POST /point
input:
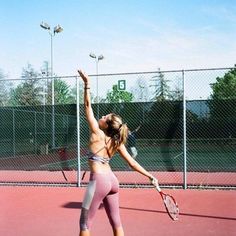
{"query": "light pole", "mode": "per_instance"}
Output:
(97, 59)
(56, 29)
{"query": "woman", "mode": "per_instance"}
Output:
(108, 136)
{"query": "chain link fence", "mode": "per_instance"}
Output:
(187, 137)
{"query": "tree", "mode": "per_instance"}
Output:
(73, 94)
(63, 93)
(225, 87)
(37, 90)
(116, 96)
(222, 104)
(28, 92)
(5, 87)
(162, 90)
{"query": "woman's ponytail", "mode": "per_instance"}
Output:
(117, 130)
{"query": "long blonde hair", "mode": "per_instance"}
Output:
(116, 129)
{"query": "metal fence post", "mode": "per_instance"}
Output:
(14, 134)
(78, 132)
(184, 134)
(35, 132)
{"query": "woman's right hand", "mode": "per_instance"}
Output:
(155, 183)
(84, 77)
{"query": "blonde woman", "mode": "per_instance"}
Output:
(108, 136)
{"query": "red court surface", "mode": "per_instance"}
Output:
(125, 177)
(49, 211)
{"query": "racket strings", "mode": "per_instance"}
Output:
(171, 207)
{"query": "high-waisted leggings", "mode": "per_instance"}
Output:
(102, 188)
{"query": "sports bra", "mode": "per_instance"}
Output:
(94, 157)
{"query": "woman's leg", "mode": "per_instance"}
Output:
(97, 189)
(111, 204)
(90, 205)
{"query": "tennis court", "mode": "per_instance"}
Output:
(41, 145)
(27, 211)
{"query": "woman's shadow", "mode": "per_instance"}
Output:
(76, 205)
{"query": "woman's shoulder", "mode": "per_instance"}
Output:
(99, 133)
(97, 136)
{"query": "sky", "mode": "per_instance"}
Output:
(132, 35)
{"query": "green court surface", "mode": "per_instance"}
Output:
(157, 158)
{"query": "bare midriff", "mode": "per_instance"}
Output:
(98, 167)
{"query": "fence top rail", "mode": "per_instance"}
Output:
(123, 73)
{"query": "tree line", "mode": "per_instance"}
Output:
(35, 88)
(162, 113)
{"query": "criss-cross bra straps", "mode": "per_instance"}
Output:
(105, 146)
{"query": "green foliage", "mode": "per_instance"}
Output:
(26, 93)
(62, 92)
(162, 90)
(73, 94)
(116, 95)
(5, 87)
(34, 90)
(225, 87)
(222, 105)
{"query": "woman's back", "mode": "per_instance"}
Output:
(102, 148)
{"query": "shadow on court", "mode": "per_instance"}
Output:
(77, 205)
(181, 214)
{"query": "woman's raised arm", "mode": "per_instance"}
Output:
(93, 124)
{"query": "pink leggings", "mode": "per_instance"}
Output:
(102, 188)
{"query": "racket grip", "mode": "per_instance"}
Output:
(154, 182)
(158, 188)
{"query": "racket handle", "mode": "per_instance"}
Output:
(154, 182)
(158, 188)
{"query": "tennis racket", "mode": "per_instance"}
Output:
(170, 204)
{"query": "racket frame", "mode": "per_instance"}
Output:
(163, 195)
